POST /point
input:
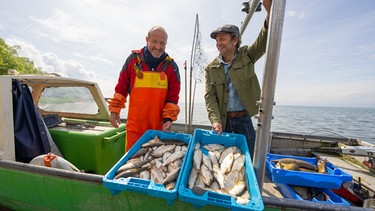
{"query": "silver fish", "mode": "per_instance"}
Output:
(197, 146)
(131, 165)
(178, 148)
(231, 180)
(245, 194)
(242, 201)
(166, 155)
(242, 175)
(170, 186)
(207, 161)
(225, 153)
(237, 189)
(145, 175)
(199, 182)
(244, 198)
(226, 164)
(164, 170)
(156, 175)
(192, 177)
(300, 163)
(162, 149)
(146, 165)
(171, 176)
(219, 176)
(173, 157)
(236, 155)
(140, 152)
(215, 187)
(148, 154)
(218, 154)
(134, 172)
(213, 147)
(156, 162)
(175, 164)
(184, 148)
(238, 163)
(236, 150)
(197, 158)
(153, 142)
(305, 192)
(213, 158)
(206, 175)
(174, 142)
(133, 160)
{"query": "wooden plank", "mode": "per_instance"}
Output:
(7, 148)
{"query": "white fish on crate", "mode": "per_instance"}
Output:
(221, 171)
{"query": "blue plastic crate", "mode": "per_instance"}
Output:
(332, 180)
(140, 185)
(288, 192)
(209, 137)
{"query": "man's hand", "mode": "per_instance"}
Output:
(217, 127)
(167, 126)
(115, 119)
(267, 6)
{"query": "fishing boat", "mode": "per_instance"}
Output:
(78, 129)
(87, 140)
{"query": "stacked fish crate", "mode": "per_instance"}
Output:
(305, 178)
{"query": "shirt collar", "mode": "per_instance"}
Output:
(222, 61)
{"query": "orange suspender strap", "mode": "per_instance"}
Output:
(138, 67)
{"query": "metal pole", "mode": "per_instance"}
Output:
(186, 98)
(253, 7)
(268, 89)
(192, 107)
(191, 70)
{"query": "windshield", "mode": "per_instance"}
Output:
(68, 99)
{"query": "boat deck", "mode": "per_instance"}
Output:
(270, 189)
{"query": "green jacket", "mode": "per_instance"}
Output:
(243, 77)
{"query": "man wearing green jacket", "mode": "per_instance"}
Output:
(232, 87)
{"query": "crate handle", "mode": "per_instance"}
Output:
(114, 137)
(212, 132)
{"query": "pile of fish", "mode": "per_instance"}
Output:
(308, 193)
(300, 165)
(157, 160)
(220, 170)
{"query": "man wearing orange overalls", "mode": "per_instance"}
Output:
(152, 80)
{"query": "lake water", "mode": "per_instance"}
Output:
(346, 122)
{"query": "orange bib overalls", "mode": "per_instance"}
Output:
(147, 100)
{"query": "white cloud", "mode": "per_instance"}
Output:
(291, 13)
(50, 62)
(61, 26)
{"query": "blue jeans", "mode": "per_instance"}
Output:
(242, 125)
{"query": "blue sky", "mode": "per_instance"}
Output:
(327, 53)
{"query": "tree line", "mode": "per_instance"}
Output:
(9, 60)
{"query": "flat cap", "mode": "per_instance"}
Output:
(227, 28)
